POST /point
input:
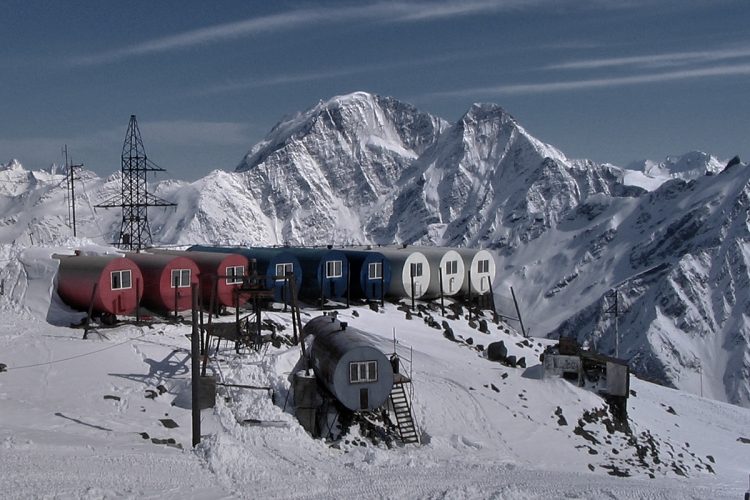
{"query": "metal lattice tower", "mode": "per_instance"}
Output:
(134, 198)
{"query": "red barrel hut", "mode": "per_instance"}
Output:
(230, 266)
(114, 283)
(166, 280)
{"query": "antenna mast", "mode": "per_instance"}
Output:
(134, 198)
(70, 182)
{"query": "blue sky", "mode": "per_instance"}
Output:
(613, 81)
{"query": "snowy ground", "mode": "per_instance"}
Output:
(91, 419)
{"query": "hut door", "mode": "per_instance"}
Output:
(364, 399)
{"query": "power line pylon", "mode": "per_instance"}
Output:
(134, 198)
(70, 178)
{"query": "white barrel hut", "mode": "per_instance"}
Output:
(480, 270)
(446, 265)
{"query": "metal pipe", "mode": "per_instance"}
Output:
(518, 311)
(195, 368)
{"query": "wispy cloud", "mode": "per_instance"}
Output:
(301, 18)
(657, 60)
(327, 74)
(576, 85)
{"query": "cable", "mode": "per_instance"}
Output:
(9, 368)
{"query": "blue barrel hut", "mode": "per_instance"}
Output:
(274, 263)
(370, 274)
(325, 272)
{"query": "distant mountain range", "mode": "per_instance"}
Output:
(671, 237)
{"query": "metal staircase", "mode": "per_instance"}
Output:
(404, 418)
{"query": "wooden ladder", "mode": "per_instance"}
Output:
(404, 419)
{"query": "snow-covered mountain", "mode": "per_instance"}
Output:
(363, 168)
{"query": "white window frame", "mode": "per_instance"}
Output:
(334, 268)
(375, 270)
(363, 372)
(178, 278)
(120, 274)
(483, 266)
(235, 274)
(451, 267)
(416, 269)
(286, 268)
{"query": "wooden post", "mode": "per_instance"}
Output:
(90, 312)
(382, 284)
(348, 283)
(411, 273)
(195, 368)
(470, 294)
(174, 283)
(442, 301)
(518, 311)
(137, 303)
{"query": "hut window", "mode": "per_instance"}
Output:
(121, 280)
(451, 267)
(333, 269)
(375, 270)
(361, 372)
(180, 278)
(483, 266)
(416, 269)
(283, 269)
(235, 274)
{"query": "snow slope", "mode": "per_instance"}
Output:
(79, 420)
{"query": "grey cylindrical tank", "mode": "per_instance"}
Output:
(408, 263)
(447, 262)
(480, 270)
(347, 363)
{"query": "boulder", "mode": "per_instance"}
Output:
(497, 351)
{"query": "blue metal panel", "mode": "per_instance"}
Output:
(266, 260)
(362, 285)
(314, 263)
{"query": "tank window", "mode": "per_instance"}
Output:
(180, 278)
(361, 372)
(375, 270)
(121, 280)
(235, 274)
(284, 269)
(416, 269)
(483, 266)
(333, 269)
(451, 267)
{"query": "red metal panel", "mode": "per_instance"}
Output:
(158, 293)
(213, 264)
(77, 275)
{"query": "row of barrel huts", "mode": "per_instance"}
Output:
(161, 280)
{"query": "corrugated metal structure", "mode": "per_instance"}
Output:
(370, 274)
(447, 262)
(233, 266)
(410, 273)
(118, 280)
(324, 272)
(270, 262)
(344, 359)
(166, 281)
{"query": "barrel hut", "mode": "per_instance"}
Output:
(113, 284)
(480, 270)
(370, 274)
(274, 263)
(410, 272)
(220, 273)
(167, 281)
(325, 272)
(447, 270)
(347, 363)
